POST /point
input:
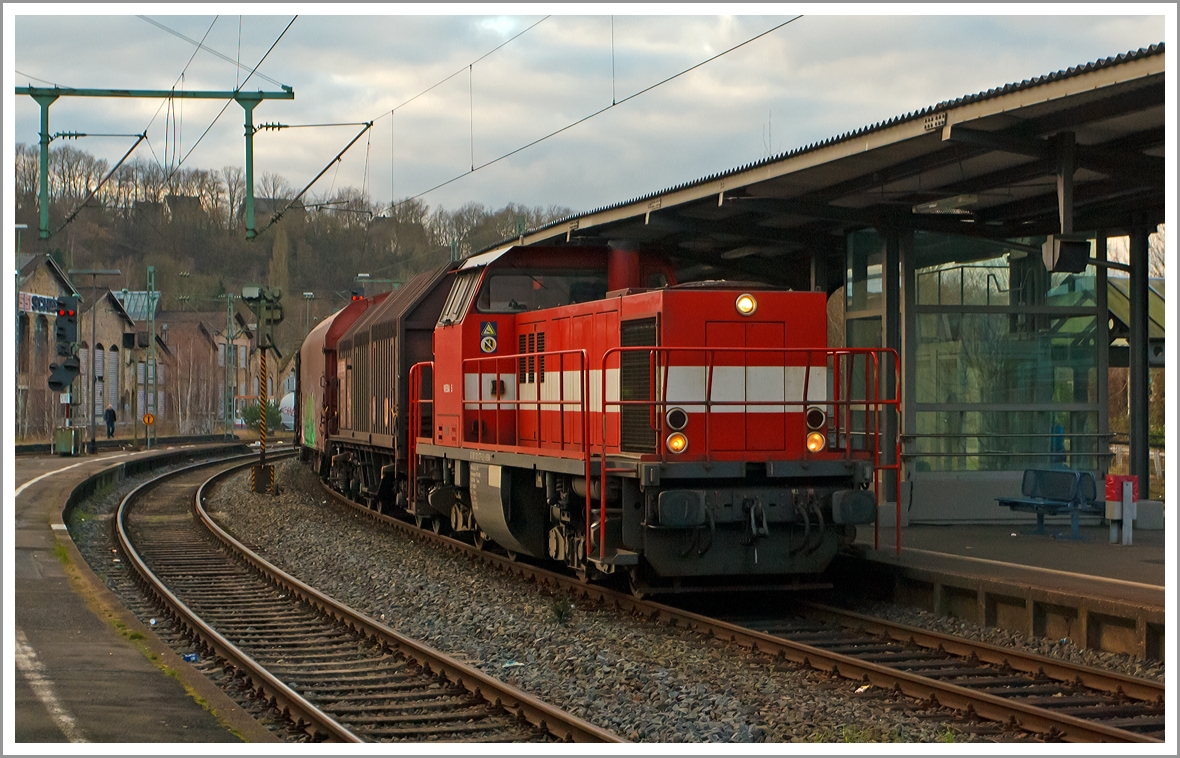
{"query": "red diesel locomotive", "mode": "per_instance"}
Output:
(576, 404)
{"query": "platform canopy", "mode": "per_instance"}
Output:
(983, 165)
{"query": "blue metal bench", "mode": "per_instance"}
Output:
(1055, 492)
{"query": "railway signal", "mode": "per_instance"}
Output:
(66, 325)
(62, 375)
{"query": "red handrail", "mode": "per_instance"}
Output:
(416, 402)
(872, 404)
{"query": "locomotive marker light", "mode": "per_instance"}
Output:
(677, 419)
(746, 304)
(677, 442)
(816, 441)
(816, 418)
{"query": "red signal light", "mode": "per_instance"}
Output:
(61, 312)
(71, 313)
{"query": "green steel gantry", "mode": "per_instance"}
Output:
(46, 96)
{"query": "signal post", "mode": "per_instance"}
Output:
(266, 305)
(63, 372)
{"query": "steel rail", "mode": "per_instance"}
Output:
(266, 684)
(1097, 679)
(981, 704)
(563, 725)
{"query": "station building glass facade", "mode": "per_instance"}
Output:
(1002, 370)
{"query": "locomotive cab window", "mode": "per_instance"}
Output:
(511, 291)
(459, 298)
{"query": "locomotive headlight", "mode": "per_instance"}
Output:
(816, 441)
(746, 304)
(677, 418)
(816, 418)
(677, 442)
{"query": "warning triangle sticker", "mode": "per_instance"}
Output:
(489, 329)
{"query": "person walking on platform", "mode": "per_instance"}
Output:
(109, 417)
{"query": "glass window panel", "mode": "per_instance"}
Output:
(510, 292)
(954, 270)
(1007, 440)
(1004, 358)
(864, 270)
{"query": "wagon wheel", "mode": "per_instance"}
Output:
(420, 522)
(513, 555)
(480, 539)
(436, 524)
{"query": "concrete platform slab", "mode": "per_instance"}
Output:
(79, 674)
(1101, 595)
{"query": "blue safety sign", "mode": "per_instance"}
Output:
(487, 337)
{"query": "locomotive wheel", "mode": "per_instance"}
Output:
(639, 587)
(480, 539)
(420, 522)
(587, 573)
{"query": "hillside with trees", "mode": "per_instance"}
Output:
(189, 225)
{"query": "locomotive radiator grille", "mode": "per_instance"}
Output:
(636, 434)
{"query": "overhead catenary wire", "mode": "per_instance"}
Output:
(202, 46)
(446, 79)
(279, 214)
(38, 79)
(180, 78)
(598, 112)
(93, 192)
(236, 90)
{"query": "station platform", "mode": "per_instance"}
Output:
(1101, 595)
(80, 676)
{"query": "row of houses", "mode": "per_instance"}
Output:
(196, 354)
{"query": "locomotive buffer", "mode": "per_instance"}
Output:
(264, 302)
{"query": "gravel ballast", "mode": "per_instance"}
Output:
(641, 679)
(1063, 649)
(91, 528)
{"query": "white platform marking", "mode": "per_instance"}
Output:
(34, 672)
(36, 479)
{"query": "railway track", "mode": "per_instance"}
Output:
(1047, 696)
(338, 674)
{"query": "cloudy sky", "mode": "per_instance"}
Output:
(827, 72)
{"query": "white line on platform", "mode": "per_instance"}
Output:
(34, 671)
(34, 480)
(1108, 580)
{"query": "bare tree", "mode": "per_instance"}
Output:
(1156, 267)
(1119, 249)
(234, 179)
(274, 186)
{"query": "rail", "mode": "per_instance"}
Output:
(933, 690)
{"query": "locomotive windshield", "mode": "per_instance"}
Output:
(510, 291)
